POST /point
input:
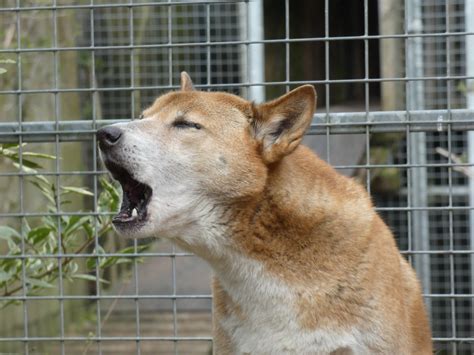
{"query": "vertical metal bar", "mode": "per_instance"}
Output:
(208, 47)
(408, 149)
(58, 178)
(469, 52)
(95, 105)
(256, 63)
(242, 10)
(366, 88)
(408, 152)
(409, 194)
(327, 77)
(417, 142)
(450, 185)
(175, 310)
(24, 290)
(170, 49)
(135, 242)
(173, 257)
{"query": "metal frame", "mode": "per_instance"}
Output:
(414, 121)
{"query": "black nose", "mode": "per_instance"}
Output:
(108, 136)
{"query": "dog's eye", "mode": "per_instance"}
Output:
(186, 124)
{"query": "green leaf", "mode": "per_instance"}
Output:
(76, 190)
(110, 203)
(24, 162)
(25, 225)
(8, 233)
(37, 235)
(2, 71)
(74, 223)
(42, 179)
(124, 260)
(51, 222)
(88, 277)
(7, 61)
(12, 264)
(45, 192)
(38, 283)
(39, 155)
(110, 188)
(99, 249)
(25, 168)
(108, 262)
(72, 267)
(12, 145)
(88, 228)
(91, 262)
(131, 249)
(36, 175)
(36, 265)
(5, 276)
(13, 247)
(113, 260)
(127, 250)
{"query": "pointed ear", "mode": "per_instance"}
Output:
(186, 82)
(279, 125)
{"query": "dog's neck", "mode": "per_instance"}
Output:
(249, 229)
(217, 240)
(278, 230)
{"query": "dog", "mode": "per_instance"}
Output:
(303, 264)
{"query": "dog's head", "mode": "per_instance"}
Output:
(194, 150)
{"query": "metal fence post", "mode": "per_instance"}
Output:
(469, 23)
(418, 196)
(256, 54)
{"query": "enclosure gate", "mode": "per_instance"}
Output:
(394, 78)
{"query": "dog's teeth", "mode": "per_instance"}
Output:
(134, 213)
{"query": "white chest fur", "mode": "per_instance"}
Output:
(270, 324)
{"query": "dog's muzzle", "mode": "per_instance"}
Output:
(136, 194)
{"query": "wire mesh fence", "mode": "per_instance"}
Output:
(395, 111)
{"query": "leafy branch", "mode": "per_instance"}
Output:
(56, 234)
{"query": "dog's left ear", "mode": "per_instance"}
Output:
(279, 125)
(186, 82)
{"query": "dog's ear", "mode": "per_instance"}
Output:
(186, 82)
(279, 125)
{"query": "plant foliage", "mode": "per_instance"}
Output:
(37, 255)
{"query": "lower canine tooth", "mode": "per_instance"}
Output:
(134, 213)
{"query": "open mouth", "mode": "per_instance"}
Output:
(136, 196)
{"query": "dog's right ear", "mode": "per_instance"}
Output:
(279, 125)
(186, 82)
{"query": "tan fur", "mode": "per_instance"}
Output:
(223, 306)
(278, 205)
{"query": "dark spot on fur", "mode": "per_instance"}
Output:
(340, 290)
